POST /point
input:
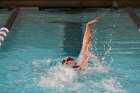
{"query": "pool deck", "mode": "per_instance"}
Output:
(69, 3)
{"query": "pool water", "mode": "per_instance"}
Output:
(30, 57)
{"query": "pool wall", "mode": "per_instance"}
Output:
(69, 3)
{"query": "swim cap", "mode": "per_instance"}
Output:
(67, 59)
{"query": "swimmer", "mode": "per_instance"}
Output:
(84, 56)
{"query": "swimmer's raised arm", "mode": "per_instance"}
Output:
(84, 55)
(86, 37)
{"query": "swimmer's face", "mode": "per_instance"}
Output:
(68, 61)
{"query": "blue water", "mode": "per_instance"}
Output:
(38, 40)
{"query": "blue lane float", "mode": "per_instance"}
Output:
(5, 29)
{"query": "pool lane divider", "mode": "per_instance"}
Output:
(134, 17)
(8, 24)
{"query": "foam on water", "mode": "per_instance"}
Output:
(111, 85)
(57, 76)
(65, 79)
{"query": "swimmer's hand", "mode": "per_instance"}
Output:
(93, 21)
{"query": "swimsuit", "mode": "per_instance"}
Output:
(77, 68)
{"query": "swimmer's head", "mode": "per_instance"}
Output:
(68, 61)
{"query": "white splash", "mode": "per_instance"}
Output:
(111, 85)
(57, 77)
(64, 79)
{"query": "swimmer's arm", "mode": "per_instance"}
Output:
(83, 62)
(86, 37)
